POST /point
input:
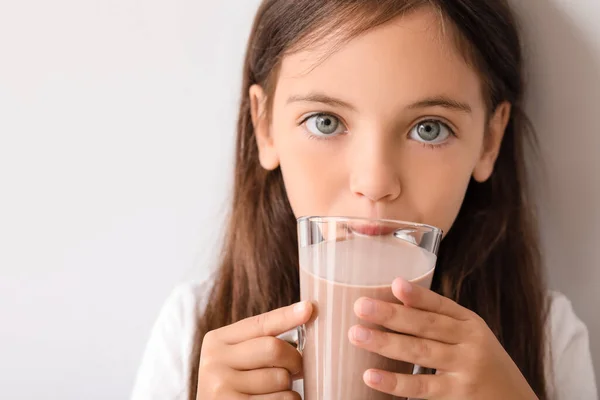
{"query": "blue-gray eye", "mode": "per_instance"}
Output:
(431, 131)
(324, 125)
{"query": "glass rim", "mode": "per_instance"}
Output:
(417, 225)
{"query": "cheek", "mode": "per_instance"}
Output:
(443, 210)
(438, 190)
(313, 186)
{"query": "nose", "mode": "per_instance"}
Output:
(374, 173)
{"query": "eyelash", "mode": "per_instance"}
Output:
(425, 145)
(434, 146)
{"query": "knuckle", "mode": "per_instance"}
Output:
(431, 319)
(422, 350)
(390, 312)
(383, 341)
(395, 385)
(209, 355)
(209, 339)
(260, 321)
(295, 362)
(207, 358)
(213, 382)
(274, 348)
(429, 322)
(421, 387)
(441, 303)
(290, 396)
(282, 379)
(216, 386)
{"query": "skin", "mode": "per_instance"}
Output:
(411, 130)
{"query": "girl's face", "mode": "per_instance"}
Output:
(393, 125)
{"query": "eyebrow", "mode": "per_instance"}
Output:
(321, 98)
(430, 102)
(442, 101)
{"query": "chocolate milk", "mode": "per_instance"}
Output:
(333, 276)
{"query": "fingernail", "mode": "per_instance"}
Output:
(360, 334)
(405, 286)
(366, 307)
(373, 377)
(300, 307)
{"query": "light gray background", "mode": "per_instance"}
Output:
(116, 141)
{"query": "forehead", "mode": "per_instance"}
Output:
(410, 57)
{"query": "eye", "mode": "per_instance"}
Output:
(431, 132)
(324, 125)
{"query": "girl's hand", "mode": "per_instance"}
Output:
(435, 332)
(246, 361)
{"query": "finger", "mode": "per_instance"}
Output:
(218, 382)
(411, 386)
(262, 381)
(272, 323)
(263, 352)
(413, 350)
(232, 396)
(289, 395)
(412, 321)
(418, 297)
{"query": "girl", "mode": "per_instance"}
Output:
(398, 109)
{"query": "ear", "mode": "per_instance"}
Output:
(267, 154)
(492, 142)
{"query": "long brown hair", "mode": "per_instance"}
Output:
(489, 262)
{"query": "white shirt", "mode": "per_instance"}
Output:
(164, 371)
